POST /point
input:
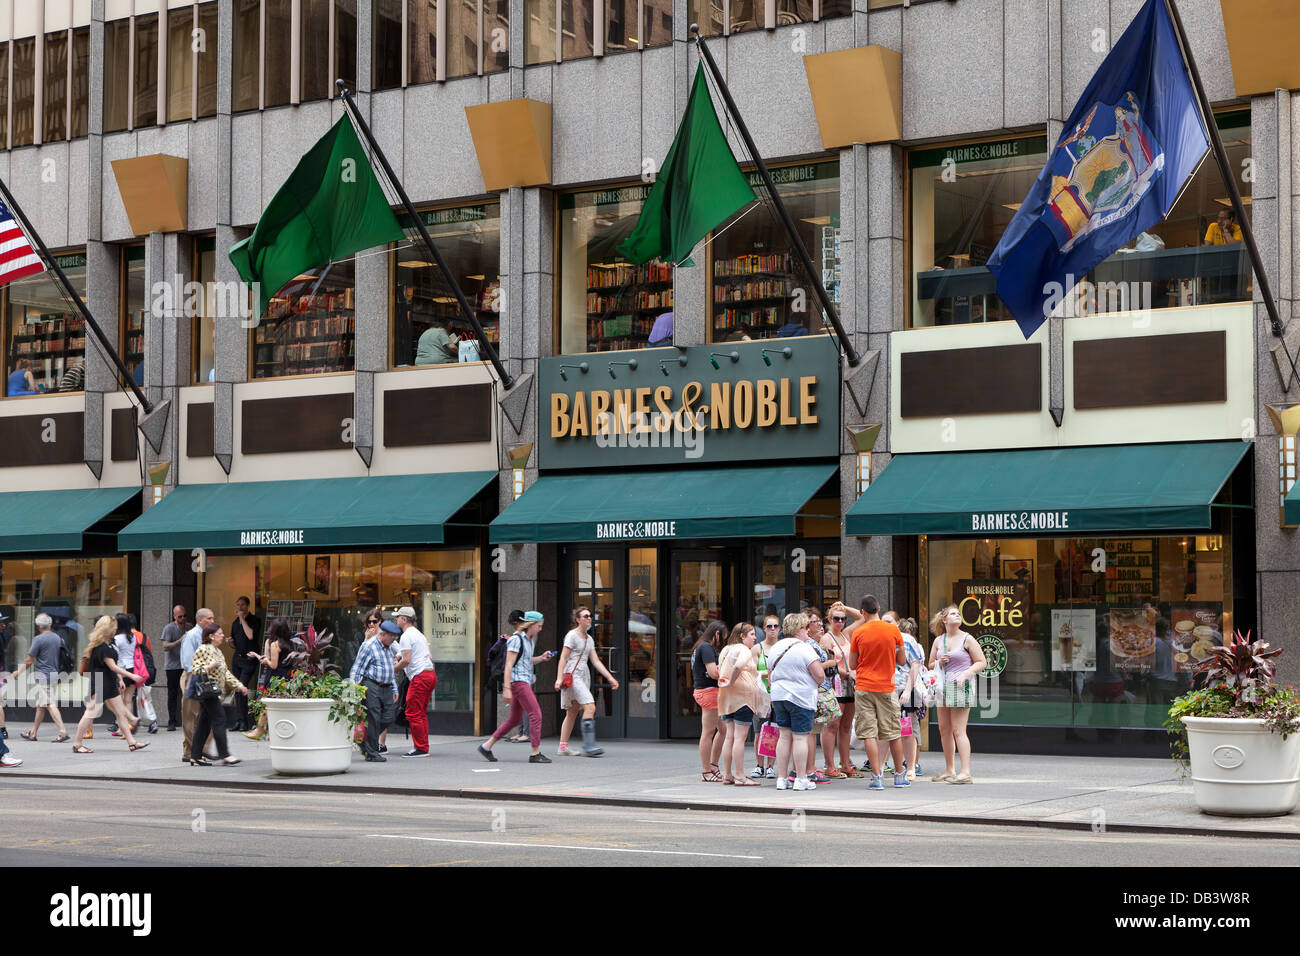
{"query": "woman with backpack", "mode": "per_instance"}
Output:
(704, 681)
(124, 643)
(521, 659)
(144, 664)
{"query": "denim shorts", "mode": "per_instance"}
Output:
(742, 716)
(791, 717)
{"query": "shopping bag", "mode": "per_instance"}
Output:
(767, 737)
(906, 724)
(467, 350)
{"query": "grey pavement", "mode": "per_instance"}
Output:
(1059, 792)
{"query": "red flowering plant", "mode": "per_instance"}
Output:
(312, 676)
(1237, 680)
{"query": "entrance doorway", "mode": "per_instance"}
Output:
(704, 589)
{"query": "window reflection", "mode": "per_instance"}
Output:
(55, 87)
(309, 326)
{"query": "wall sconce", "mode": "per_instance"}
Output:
(157, 478)
(630, 363)
(714, 356)
(518, 455)
(863, 438)
(1286, 422)
(787, 352)
(581, 366)
(680, 360)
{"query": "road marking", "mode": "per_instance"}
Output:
(699, 823)
(489, 770)
(559, 846)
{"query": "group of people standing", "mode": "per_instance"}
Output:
(800, 681)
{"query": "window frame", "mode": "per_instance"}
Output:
(5, 319)
(770, 15)
(251, 368)
(197, 242)
(441, 25)
(123, 325)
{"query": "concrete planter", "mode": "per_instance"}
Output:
(304, 741)
(1240, 768)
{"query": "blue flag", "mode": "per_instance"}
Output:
(1134, 139)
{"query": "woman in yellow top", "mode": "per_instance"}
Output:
(208, 662)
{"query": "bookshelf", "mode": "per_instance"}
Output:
(445, 311)
(50, 342)
(752, 291)
(624, 320)
(306, 335)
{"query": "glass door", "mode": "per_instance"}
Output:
(704, 590)
(593, 578)
(640, 680)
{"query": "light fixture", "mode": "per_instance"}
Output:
(581, 367)
(714, 356)
(787, 352)
(680, 360)
(863, 438)
(1286, 422)
(1013, 206)
(475, 278)
(818, 220)
(630, 363)
(518, 455)
(407, 264)
(1225, 201)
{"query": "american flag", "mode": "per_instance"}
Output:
(17, 257)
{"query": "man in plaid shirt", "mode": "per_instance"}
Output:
(373, 670)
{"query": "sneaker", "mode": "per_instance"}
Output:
(919, 771)
(171, 728)
(900, 780)
(538, 758)
(416, 753)
(383, 749)
(565, 751)
(818, 777)
(487, 754)
(877, 783)
(771, 773)
(805, 783)
(4, 732)
(783, 784)
(792, 777)
(376, 758)
(153, 728)
(756, 773)
(115, 732)
(9, 760)
(911, 774)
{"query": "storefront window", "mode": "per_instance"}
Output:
(24, 87)
(334, 591)
(759, 288)
(428, 328)
(1097, 632)
(606, 302)
(964, 197)
(55, 89)
(309, 326)
(117, 75)
(44, 332)
(145, 90)
(205, 272)
(642, 632)
(134, 304)
(74, 592)
(80, 82)
(786, 582)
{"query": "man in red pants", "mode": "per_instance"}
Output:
(414, 657)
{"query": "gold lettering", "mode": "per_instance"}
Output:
(559, 415)
(580, 426)
(742, 403)
(807, 400)
(786, 417)
(691, 393)
(600, 412)
(622, 411)
(766, 402)
(720, 402)
(664, 418)
(643, 409)
(962, 608)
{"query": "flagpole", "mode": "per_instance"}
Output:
(123, 371)
(1229, 177)
(507, 380)
(800, 250)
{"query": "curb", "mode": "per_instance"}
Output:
(690, 805)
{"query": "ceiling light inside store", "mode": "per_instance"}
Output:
(818, 221)
(414, 264)
(1013, 206)
(1225, 201)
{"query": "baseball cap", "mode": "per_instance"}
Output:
(533, 617)
(515, 617)
(407, 612)
(390, 627)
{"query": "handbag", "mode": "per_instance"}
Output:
(768, 735)
(828, 708)
(566, 680)
(203, 687)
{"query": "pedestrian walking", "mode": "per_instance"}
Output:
(416, 662)
(911, 697)
(145, 664)
(275, 661)
(704, 683)
(765, 766)
(959, 659)
(210, 680)
(838, 734)
(124, 643)
(190, 707)
(517, 624)
(796, 674)
(43, 659)
(875, 649)
(373, 670)
(521, 661)
(573, 681)
(106, 680)
(737, 701)
(245, 636)
(172, 635)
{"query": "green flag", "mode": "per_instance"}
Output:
(699, 187)
(330, 207)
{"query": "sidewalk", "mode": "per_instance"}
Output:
(1056, 792)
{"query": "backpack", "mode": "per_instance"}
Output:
(496, 662)
(66, 664)
(143, 649)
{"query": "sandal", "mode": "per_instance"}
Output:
(729, 781)
(745, 783)
(137, 746)
(82, 750)
(28, 736)
(60, 739)
(834, 774)
(850, 771)
(711, 776)
(940, 778)
(965, 778)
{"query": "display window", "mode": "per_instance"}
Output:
(963, 197)
(428, 327)
(333, 592)
(1100, 632)
(45, 335)
(310, 325)
(75, 592)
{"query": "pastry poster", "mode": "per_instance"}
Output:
(1194, 629)
(1133, 638)
(1074, 639)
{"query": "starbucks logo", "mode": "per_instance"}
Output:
(995, 652)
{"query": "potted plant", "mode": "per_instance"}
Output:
(310, 716)
(1239, 730)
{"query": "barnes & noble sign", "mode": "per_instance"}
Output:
(665, 412)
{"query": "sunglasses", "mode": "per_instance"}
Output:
(373, 621)
(839, 620)
(771, 627)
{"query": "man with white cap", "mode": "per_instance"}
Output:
(414, 658)
(521, 656)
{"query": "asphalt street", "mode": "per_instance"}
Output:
(88, 823)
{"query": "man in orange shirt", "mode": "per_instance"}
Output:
(875, 649)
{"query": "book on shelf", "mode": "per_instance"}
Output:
(613, 276)
(751, 264)
(754, 289)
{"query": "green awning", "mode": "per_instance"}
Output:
(34, 521)
(1048, 490)
(651, 505)
(304, 515)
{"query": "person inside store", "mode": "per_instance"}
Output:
(208, 666)
(21, 381)
(438, 345)
(246, 635)
(74, 378)
(1223, 230)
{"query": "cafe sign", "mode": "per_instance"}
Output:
(668, 406)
